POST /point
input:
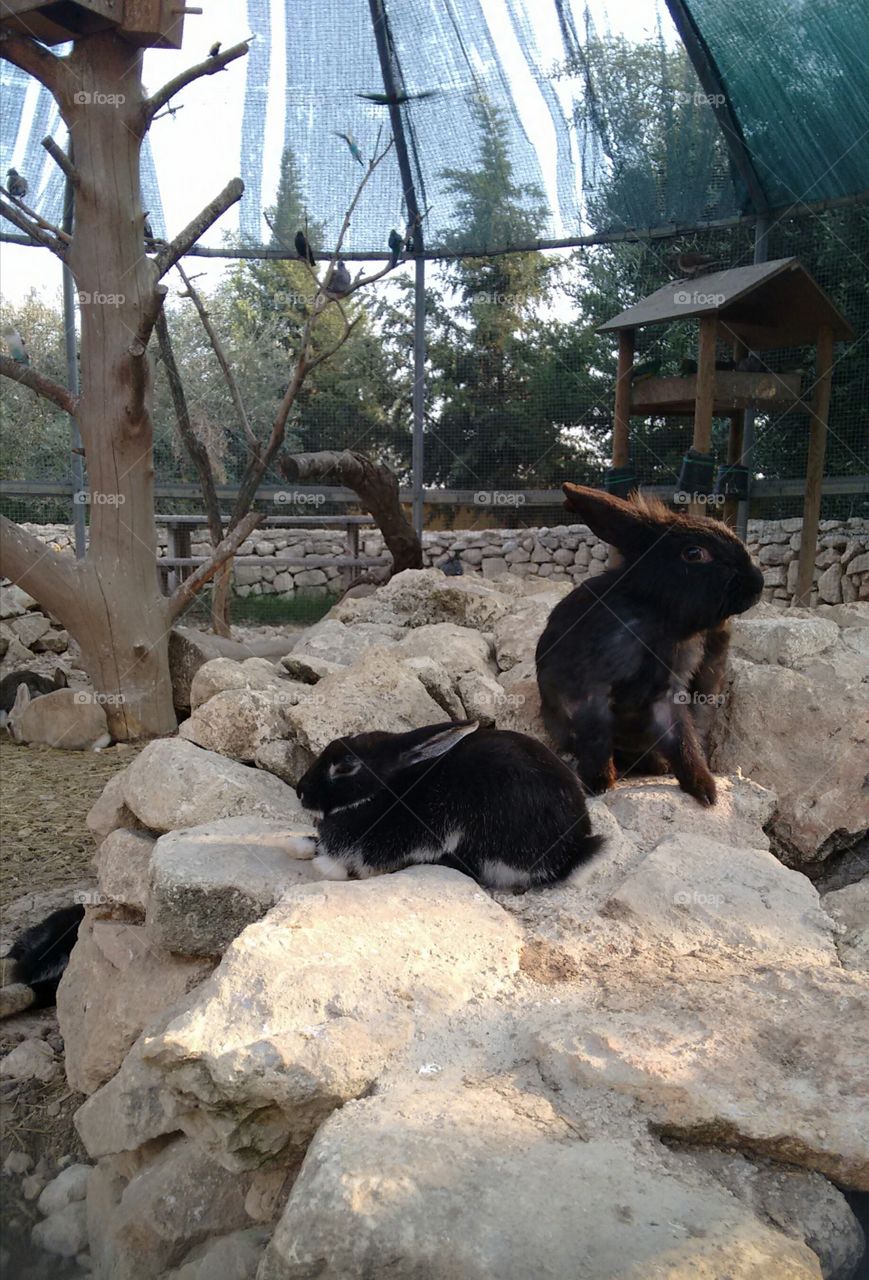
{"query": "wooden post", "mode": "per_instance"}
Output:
(705, 395)
(622, 417)
(734, 441)
(815, 466)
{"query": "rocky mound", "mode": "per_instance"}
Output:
(658, 1070)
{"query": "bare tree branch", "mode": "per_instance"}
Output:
(194, 446)
(34, 58)
(175, 249)
(15, 215)
(62, 160)
(217, 347)
(37, 218)
(186, 591)
(34, 381)
(377, 486)
(207, 68)
(55, 580)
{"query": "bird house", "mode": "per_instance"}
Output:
(764, 307)
(152, 23)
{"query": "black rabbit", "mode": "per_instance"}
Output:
(632, 661)
(498, 805)
(37, 684)
(31, 970)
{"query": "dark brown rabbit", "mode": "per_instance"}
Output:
(630, 664)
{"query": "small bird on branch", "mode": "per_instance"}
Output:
(15, 343)
(690, 265)
(16, 185)
(303, 249)
(397, 246)
(338, 284)
(396, 99)
(353, 145)
(214, 50)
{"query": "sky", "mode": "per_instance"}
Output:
(196, 150)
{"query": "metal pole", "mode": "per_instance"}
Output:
(761, 232)
(72, 379)
(418, 394)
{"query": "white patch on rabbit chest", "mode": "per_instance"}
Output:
(452, 840)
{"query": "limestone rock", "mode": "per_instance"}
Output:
(770, 1060)
(64, 1233)
(232, 1257)
(30, 628)
(70, 1184)
(237, 722)
(849, 907)
(648, 811)
(309, 669)
(419, 596)
(318, 1020)
(818, 776)
(14, 601)
(332, 641)
(457, 649)
(779, 640)
(802, 1205)
(174, 784)
(517, 634)
(465, 1183)
(188, 651)
(209, 882)
(482, 697)
(117, 982)
(144, 1225)
(109, 812)
(288, 761)
(70, 719)
(377, 693)
(436, 681)
(123, 866)
(220, 674)
(30, 1060)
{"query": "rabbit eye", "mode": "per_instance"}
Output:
(696, 555)
(344, 768)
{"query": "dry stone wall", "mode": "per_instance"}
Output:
(565, 553)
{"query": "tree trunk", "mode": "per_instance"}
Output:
(378, 490)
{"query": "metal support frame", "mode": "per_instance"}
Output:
(72, 377)
(385, 51)
(761, 235)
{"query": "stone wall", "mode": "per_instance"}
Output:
(564, 553)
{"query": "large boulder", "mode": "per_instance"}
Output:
(457, 649)
(119, 979)
(849, 907)
(800, 730)
(237, 722)
(333, 641)
(174, 784)
(220, 674)
(124, 867)
(207, 883)
(454, 1182)
(419, 596)
(377, 693)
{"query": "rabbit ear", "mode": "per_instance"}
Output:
(432, 741)
(614, 520)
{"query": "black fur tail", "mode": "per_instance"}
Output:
(38, 958)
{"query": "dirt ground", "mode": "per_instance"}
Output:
(44, 798)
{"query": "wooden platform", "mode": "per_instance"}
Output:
(733, 392)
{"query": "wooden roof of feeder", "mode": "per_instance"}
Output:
(767, 306)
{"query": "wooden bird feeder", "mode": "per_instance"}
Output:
(150, 23)
(765, 307)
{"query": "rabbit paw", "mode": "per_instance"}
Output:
(702, 788)
(330, 868)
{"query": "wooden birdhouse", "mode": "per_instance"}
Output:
(150, 23)
(765, 307)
